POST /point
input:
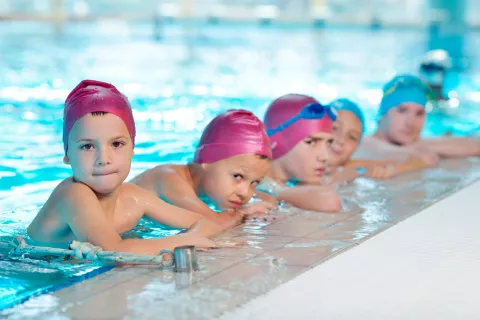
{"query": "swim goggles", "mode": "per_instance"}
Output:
(311, 111)
(432, 68)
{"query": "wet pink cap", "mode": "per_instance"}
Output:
(293, 117)
(95, 96)
(232, 133)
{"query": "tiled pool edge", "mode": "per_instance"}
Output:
(339, 284)
(221, 263)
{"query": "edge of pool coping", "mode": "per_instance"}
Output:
(103, 269)
(56, 287)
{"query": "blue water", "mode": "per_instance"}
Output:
(176, 86)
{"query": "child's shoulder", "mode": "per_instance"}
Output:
(161, 171)
(371, 142)
(130, 189)
(70, 188)
(172, 169)
(372, 148)
(69, 194)
(171, 172)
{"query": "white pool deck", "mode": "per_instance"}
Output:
(426, 267)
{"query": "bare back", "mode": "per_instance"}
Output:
(174, 184)
(162, 179)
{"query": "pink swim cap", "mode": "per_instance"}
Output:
(293, 117)
(232, 133)
(95, 96)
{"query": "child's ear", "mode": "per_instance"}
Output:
(66, 160)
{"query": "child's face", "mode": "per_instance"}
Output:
(308, 160)
(403, 124)
(230, 183)
(100, 152)
(347, 131)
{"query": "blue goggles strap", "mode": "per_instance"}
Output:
(431, 67)
(310, 112)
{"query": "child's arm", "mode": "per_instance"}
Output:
(84, 215)
(413, 163)
(344, 175)
(360, 163)
(179, 193)
(267, 198)
(385, 169)
(267, 202)
(312, 197)
(451, 146)
(170, 215)
(265, 192)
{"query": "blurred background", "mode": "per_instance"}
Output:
(182, 62)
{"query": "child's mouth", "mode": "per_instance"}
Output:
(101, 174)
(236, 204)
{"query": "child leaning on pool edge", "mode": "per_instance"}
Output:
(232, 158)
(94, 205)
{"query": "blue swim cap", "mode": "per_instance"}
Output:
(348, 105)
(401, 89)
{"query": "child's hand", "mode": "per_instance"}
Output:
(235, 216)
(84, 250)
(266, 197)
(380, 172)
(201, 241)
(258, 211)
(221, 244)
(422, 160)
(232, 243)
(429, 158)
(260, 207)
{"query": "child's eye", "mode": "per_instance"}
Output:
(87, 146)
(309, 141)
(421, 113)
(352, 138)
(256, 182)
(329, 142)
(238, 176)
(117, 144)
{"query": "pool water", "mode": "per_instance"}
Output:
(22, 278)
(176, 85)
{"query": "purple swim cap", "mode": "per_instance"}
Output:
(232, 133)
(293, 117)
(96, 96)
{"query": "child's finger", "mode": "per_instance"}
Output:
(230, 244)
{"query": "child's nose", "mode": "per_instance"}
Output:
(323, 153)
(103, 157)
(242, 190)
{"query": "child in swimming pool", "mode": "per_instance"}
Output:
(301, 131)
(348, 130)
(402, 116)
(434, 67)
(232, 158)
(94, 205)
